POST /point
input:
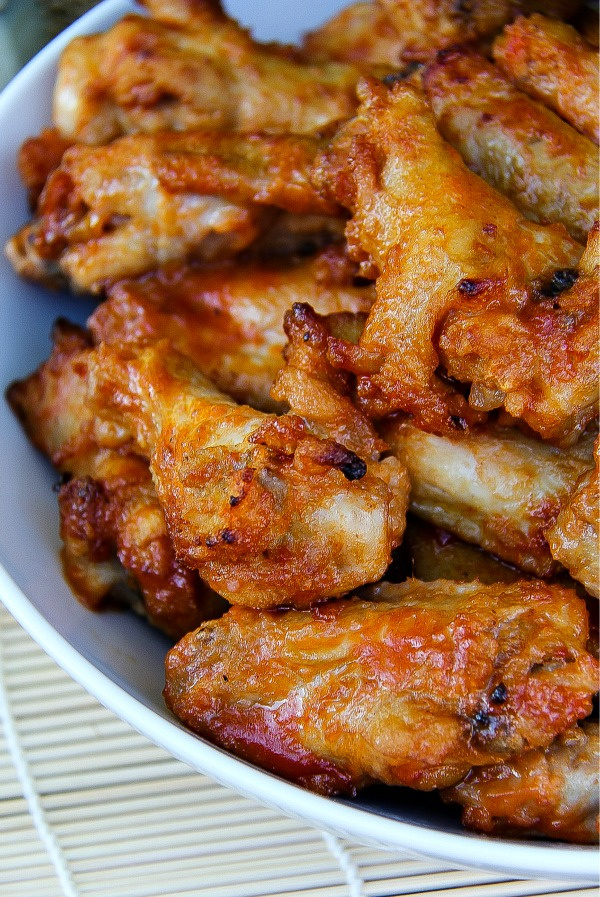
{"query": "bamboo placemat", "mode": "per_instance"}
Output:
(90, 808)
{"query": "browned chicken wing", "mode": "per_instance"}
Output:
(454, 258)
(395, 32)
(268, 512)
(116, 211)
(496, 487)
(550, 60)
(540, 162)
(229, 318)
(189, 67)
(574, 538)
(551, 793)
(115, 540)
(362, 34)
(116, 546)
(412, 688)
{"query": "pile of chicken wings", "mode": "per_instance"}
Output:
(333, 423)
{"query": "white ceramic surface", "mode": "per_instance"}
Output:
(116, 656)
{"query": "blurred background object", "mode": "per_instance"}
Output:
(27, 25)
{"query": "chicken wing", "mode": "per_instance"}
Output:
(412, 688)
(267, 512)
(497, 488)
(229, 318)
(574, 538)
(551, 792)
(551, 61)
(361, 34)
(115, 540)
(116, 546)
(436, 24)
(540, 162)
(392, 33)
(116, 211)
(544, 358)
(438, 239)
(192, 68)
(38, 157)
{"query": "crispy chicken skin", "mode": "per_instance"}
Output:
(551, 61)
(117, 211)
(438, 237)
(497, 488)
(115, 540)
(361, 34)
(268, 512)
(318, 391)
(551, 793)
(395, 32)
(525, 150)
(38, 157)
(574, 539)
(191, 69)
(413, 688)
(551, 376)
(229, 318)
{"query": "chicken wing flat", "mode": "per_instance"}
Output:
(390, 33)
(413, 688)
(551, 792)
(116, 211)
(146, 75)
(361, 33)
(546, 167)
(455, 484)
(267, 512)
(552, 62)
(115, 540)
(438, 237)
(229, 318)
(574, 538)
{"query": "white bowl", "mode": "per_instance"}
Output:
(116, 656)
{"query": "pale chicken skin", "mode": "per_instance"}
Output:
(546, 167)
(267, 512)
(412, 688)
(115, 540)
(552, 62)
(550, 793)
(118, 211)
(574, 538)
(229, 318)
(497, 487)
(188, 69)
(442, 242)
